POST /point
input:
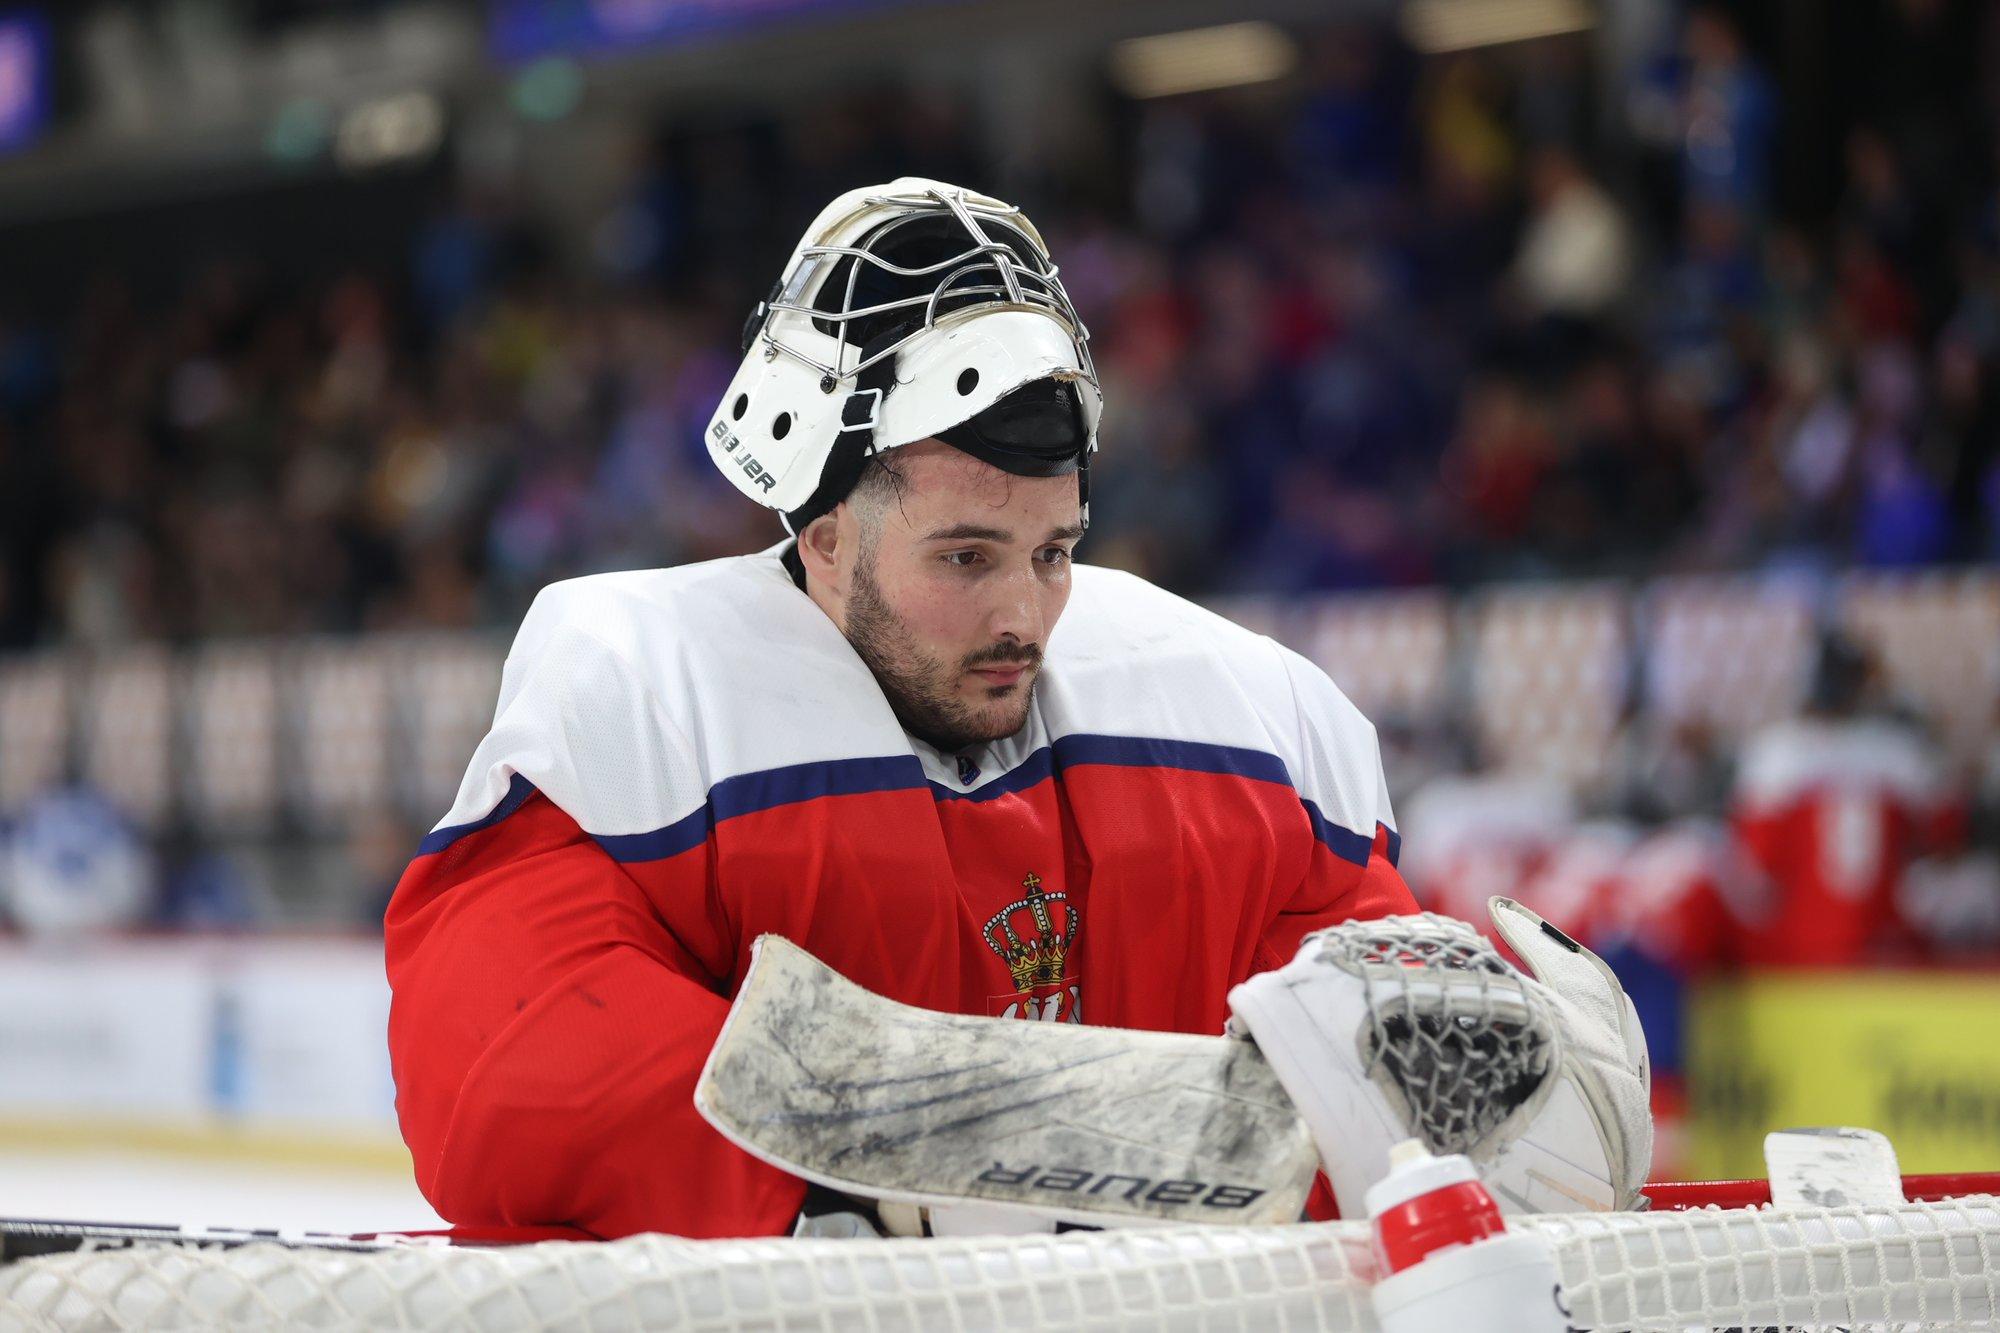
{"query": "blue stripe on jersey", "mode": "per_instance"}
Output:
(1190, 756)
(768, 790)
(1030, 772)
(1129, 752)
(519, 789)
(751, 793)
(1197, 757)
(1344, 843)
(683, 835)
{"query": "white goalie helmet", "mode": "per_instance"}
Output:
(907, 311)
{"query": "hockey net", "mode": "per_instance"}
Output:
(1932, 1265)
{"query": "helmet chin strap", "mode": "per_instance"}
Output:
(852, 447)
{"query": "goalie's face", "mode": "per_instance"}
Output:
(947, 577)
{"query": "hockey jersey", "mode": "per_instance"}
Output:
(1832, 811)
(684, 759)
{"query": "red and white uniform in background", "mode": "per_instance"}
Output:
(1683, 895)
(685, 759)
(1579, 884)
(1679, 892)
(1832, 811)
(1476, 835)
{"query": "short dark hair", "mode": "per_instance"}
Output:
(880, 484)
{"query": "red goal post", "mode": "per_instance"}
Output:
(1676, 1194)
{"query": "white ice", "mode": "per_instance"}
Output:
(130, 1186)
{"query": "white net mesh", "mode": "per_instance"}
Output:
(1451, 1028)
(1923, 1266)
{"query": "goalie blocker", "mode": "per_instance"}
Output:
(1048, 1121)
(1378, 1031)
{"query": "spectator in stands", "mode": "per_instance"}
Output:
(1326, 281)
(1575, 258)
(1728, 115)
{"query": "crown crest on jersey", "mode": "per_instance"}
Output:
(1024, 934)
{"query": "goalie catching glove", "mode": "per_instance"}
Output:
(1416, 1027)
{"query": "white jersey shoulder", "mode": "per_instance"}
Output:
(1129, 658)
(628, 697)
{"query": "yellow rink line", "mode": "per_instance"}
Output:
(342, 1150)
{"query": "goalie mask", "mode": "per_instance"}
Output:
(908, 311)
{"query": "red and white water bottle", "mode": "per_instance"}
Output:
(1448, 1262)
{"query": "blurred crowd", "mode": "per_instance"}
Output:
(1497, 314)
(1500, 314)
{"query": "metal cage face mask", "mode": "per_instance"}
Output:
(984, 255)
(905, 311)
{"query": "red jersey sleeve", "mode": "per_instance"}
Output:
(1336, 765)
(546, 1033)
(1337, 890)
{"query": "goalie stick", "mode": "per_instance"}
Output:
(1100, 1126)
(28, 1238)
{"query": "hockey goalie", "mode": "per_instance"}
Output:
(923, 755)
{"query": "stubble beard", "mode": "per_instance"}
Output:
(922, 691)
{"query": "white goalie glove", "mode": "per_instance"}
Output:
(1416, 1027)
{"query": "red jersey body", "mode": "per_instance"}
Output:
(683, 760)
(1832, 811)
